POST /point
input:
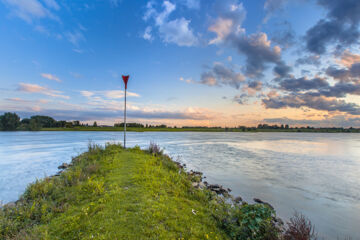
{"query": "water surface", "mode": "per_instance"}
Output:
(317, 174)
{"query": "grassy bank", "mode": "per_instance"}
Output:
(116, 193)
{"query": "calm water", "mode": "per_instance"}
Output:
(316, 174)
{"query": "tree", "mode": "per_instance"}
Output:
(45, 121)
(95, 124)
(61, 124)
(10, 121)
(35, 124)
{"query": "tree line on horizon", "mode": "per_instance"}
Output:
(11, 122)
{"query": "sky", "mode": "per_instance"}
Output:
(221, 63)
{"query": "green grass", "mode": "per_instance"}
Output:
(113, 193)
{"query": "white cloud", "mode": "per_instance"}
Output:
(30, 9)
(34, 88)
(168, 9)
(86, 93)
(194, 4)
(230, 21)
(147, 34)
(75, 37)
(109, 94)
(150, 11)
(175, 31)
(222, 28)
(50, 77)
(188, 80)
(178, 32)
(52, 4)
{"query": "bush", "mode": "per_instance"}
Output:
(300, 228)
(247, 221)
(155, 149)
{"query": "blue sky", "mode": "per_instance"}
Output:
(191, 62)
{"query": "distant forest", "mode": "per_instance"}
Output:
(12, 122)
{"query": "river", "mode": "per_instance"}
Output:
(317, 174)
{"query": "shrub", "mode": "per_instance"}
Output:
(300, 228)
(155, 149)
(248, 221)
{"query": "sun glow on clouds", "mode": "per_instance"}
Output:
(110, 94)
(34, 88)
(50, 77)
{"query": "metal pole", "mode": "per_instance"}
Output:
(125, 122)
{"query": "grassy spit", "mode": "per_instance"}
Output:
(117, 193)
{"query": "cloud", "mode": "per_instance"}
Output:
(271, 6)
(52, 4)
(102, 114)
(258, 51)
(232, 14)
(75, 37)
(351, 74)
(222, 75)
(298, 100)
(257, 48)
(50, 77)
(189, 80)
(348, 58)
(34, 88)
(192, 4)
(241, 98)
(178, 32)
(284, 36)
(175, 31)
(340, 27)
(256, 85)
(147, 34)
(309, 60)
(341, 90)
(301, 84)
(110, 94)
(30, 9)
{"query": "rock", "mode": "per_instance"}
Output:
(63, 166)
(228, 189)
(201, 185)
(218, 189)
(195, 184)
(178, 165)
(238, 199)
(257, 200)
(269, 205)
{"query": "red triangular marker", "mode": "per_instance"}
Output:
(125, 79)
